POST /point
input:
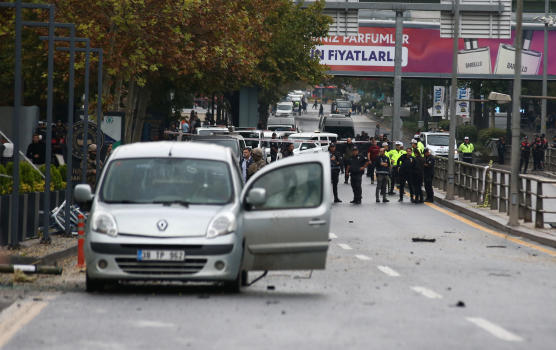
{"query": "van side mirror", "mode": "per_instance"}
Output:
(256, 196)
(83, 194)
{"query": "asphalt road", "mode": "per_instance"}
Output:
(470, 289)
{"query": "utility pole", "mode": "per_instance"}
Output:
(544, 71)
(514, 176)
(396, 119)
(453, 95)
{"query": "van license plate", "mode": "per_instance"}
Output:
(160, 255)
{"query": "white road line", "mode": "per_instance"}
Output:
(388, 271)
(362, 257)
(333, 236)
(494, 329)
(344, 246)
(427, 292)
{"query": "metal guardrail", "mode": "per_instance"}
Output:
(489, 188)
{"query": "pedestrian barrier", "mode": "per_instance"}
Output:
(485, 184)
(81, 241)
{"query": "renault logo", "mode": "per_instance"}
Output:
(162, 225)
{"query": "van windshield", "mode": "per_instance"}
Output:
(284, 107)
(344, 104)
(438, 140)
(167, 180)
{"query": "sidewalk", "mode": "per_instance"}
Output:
(497, 220)
(34, 253)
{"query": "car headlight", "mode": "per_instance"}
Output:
(222, 224)
(104, 223)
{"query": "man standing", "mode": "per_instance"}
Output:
(36, 150)
(525, 153)
(244, 163)
(501, 147)
(394, 155)
(321, 111)
(405, 164)
(429, 174)
(92, 166)
(348, 151)
(356, 167)
(466, 149)
(335, 162)
(390, 180)
(538, 153)
(382, 166)
(273, 149)
(372, 153)
(257, 163)
(377, 131)
(288, 151)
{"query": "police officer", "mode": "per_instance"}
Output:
(406, 162)
(394, 155)
(348, 150)
(356, 167)
(525, 153)
(335, 166)
(429, 175)
(467, 148)
(420, 145)
(382, 166)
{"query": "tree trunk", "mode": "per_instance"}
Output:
(130, 110)
(144, 95)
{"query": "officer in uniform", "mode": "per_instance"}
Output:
(382, 166)
(420, 145)
(335, 166)
(406, 162)
(466, 148)
(394, 155)
(356, 167)
(429, 175)
(92, 166)
(390, 178)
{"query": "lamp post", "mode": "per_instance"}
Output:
(548, 21)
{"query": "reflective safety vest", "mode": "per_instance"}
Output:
(394, 155)
(421, 147)
(466, 148)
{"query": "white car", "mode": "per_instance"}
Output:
(180, 211)
(284, 109)
(312, 142)
(438, 143)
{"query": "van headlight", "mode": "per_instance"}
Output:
(104, 223)
(222, 224)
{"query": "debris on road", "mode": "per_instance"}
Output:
(459, 304)
(350, 221)
(270, 287)
(429, 240)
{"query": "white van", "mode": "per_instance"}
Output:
(284, 109)
(305, 142)
(437, 143)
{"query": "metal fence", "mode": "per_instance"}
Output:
(489, 188)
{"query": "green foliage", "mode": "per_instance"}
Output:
(5, 182)
(63, 172)
(466, 130)
(486, 134)
(444, 124)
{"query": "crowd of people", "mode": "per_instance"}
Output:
(387, 162)
(537, 148)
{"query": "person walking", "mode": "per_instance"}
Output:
(335, 163)
(321, 110)
(315, 104)
(382, 166)
(525, 148)
(501, 148)
(466, 149)
(429, 175)
(356, 167)
(372, 153)
(406, 162)
(348, 151)
(417, 177)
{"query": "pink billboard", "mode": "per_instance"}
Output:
(425, 53)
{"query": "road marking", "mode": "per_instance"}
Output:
(388, 271)
(17, 316)
(344, 246)
(494, 329)
(333, 236)
(362, 257)
(492, 232)
(427, 292)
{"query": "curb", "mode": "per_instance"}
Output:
(505, 228)
(52, 258)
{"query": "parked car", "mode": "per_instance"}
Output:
(179, 211)
(311, 142)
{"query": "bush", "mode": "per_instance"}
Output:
(5, 182)
(467, 130)
(444, 124)
(63, 171)
(487, 134)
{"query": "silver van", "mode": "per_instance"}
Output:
(179, 211)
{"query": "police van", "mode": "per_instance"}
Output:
(438, 143)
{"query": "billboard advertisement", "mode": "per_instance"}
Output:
(424, 53)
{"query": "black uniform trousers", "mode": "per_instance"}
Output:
(335, 179)
(428, 187)
(381, 184)
(356, 187)
(394, 178)
(405, 178)
(524, 162)
(417, 187)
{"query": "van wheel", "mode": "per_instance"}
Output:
(234, 287)
(93, 285)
